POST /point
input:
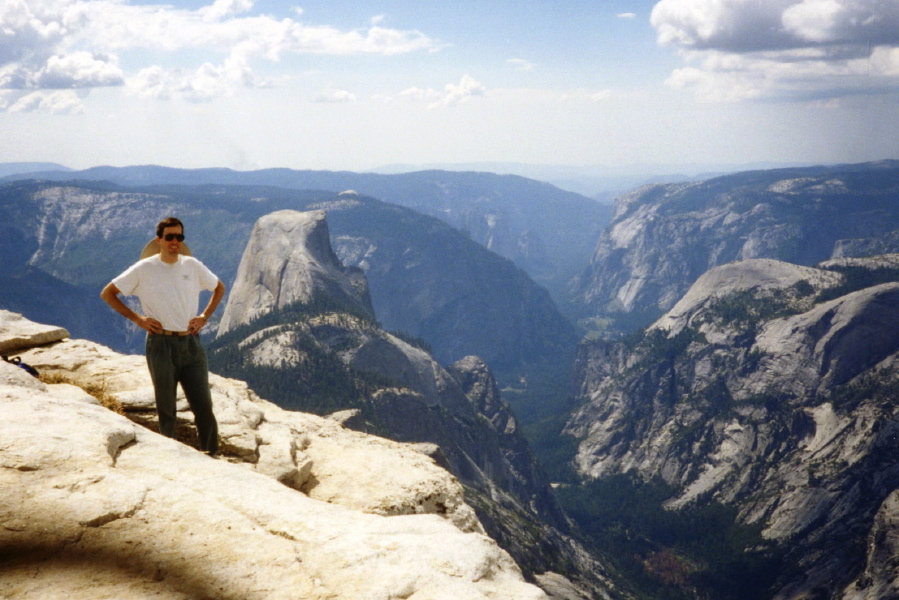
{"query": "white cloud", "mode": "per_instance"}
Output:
(521, 64)
(77, 70)
(805, 49)
(417, 93)
(451, 95)
(55, 44)
(207, 82)
(855, 22)
(461, 92)
(335, 95)
(221, 9)
(627, 15)
(60, 102)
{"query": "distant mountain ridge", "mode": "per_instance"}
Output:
(663, 237)
(18, 168)
(548, 232)
(426, 278)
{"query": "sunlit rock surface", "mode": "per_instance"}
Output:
(93, 504)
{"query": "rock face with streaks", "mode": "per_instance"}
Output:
(663, 237)
(769, 387)
(288, 260)
(329, 356)
(93, 503)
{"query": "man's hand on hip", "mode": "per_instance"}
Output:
(148, 324)
(196, 324)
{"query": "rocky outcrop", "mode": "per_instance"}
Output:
(399, 390)
(289, 260)
(93, 503)
(663, 237)
(18, 333)
(760, 278)
(755, 393)
(880, 579)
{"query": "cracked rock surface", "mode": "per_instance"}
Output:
(95, 505)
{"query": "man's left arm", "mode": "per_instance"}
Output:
(197, 323)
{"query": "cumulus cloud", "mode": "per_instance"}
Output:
(417, 93)
(521, 64)
(78, 69)
(205, 83)
(64, 44)
(796, 48)
(208, 81)
(59, 102)
(221, 9)
(335, 95)
(452, 94)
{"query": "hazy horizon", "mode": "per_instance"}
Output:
(343, 85)
(589, 180)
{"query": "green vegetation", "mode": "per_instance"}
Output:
(320, 382)
(881, 386)
(749, 309)
(697, 552)
(555, 449)
(858, 278)
(295, 312)
(540, 397)
(658, 346)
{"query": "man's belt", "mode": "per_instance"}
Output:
(177, 333)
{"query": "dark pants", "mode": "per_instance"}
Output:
(181, 359)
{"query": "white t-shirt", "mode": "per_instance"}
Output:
(169, 293)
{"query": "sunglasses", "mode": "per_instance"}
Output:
(174, 236)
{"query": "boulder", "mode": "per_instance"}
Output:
(17, 333)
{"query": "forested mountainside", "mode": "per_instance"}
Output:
(749, 436)
(426, 279)
(663, 237)
(548, 232)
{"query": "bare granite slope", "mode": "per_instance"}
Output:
(754, 393)
(95, 505)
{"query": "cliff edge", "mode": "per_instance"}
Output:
(94, 504)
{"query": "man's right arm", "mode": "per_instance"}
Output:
(111, 295)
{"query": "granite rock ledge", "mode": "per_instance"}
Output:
(93, 504)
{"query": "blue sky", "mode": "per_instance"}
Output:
(334, 84)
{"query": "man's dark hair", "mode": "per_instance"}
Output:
(168, 222)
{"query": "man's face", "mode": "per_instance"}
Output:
(169, 249)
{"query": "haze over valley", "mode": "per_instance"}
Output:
(568, 300)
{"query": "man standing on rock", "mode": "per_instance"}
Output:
(168, 284)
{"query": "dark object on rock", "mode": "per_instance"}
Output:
(15, 360)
